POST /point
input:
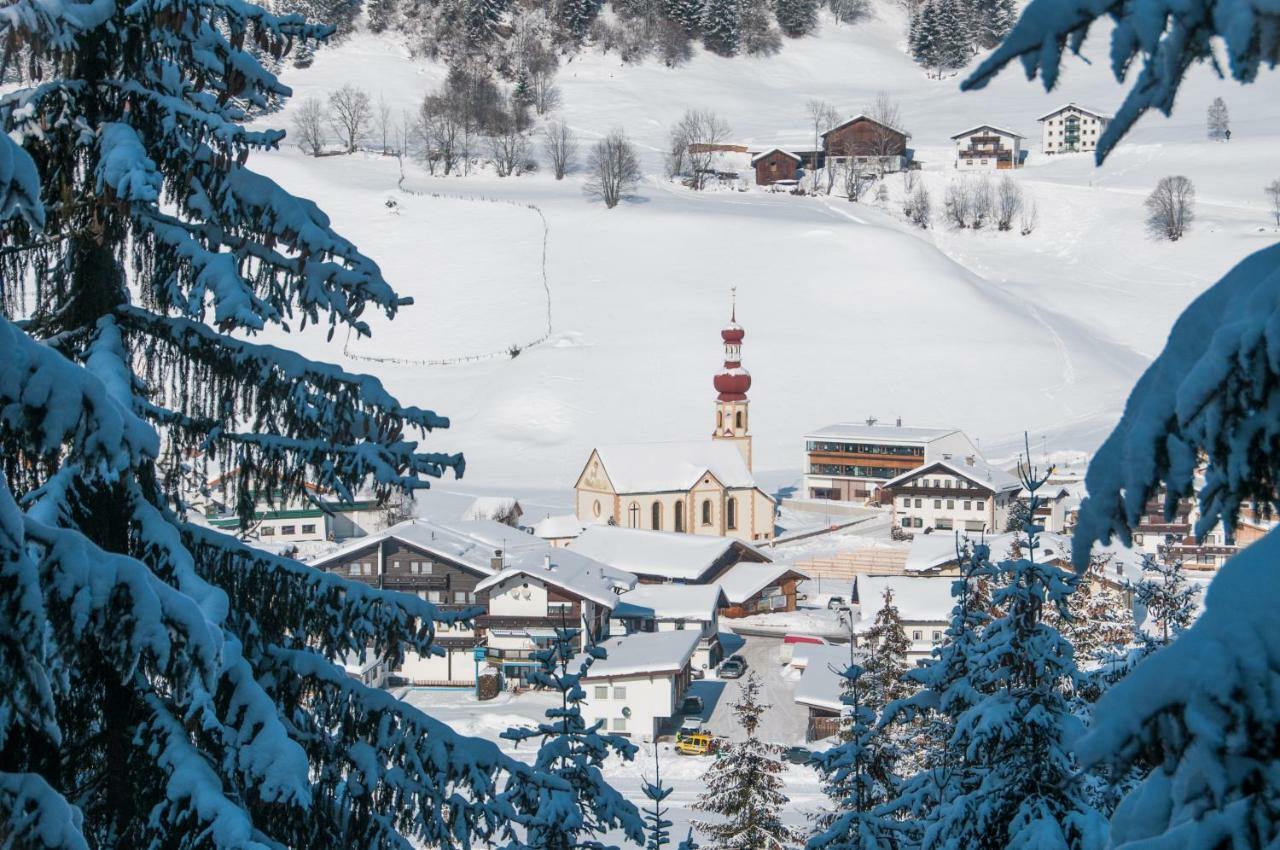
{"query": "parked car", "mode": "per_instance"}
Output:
(689, 726)
(798, 755)
(738, 658)
(692, 705)
(731, 669)
(837, 603)
(698, 673)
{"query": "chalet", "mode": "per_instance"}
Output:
(657, 557)
(755, 588)
(988, 147)
(1071, 128)
(674, 607)
(952, 493)
(851, 461)
(924, 606)
(637, 688)
(775, 166)
(866, 141)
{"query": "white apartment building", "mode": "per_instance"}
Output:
(924, 606)
(674, 607)
(1071, 128)
(851, 461)
(640, 682)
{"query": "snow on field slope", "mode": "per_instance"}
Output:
(849, 313)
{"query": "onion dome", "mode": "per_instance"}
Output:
(732, 384)
(732, 332)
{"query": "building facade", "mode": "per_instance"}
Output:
(850, 462)
(637, 688)
(775, 166)
(988, 148)
(1071, 129)
(699, 487)
(952, 494)
(866, 141)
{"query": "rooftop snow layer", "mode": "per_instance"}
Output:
(822, 684)
(662, 467)
(671, 602)
(881, 433)
(743, 581)
(919, 599)
(491, 507)
(569, 571)
(678, 557)
(979, 472)
(644, 652)
(559, 526)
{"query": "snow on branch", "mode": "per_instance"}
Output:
(35, 815)
(1169, 36)
(1211, 398)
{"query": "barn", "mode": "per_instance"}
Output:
(775, 166)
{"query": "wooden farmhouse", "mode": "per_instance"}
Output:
(775, 166)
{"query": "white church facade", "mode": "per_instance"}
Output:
(698, 487)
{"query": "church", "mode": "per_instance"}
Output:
(697, 487)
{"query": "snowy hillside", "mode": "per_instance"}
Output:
(849, 312)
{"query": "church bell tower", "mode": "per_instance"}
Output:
(733, 419)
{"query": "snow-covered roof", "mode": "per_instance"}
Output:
(558, 527)
(743, 581)
(821, 684)
(1094, 112)
(881, 433)
(999, 130)
(671, 602)
(974, 469)
(933, 551)
(862, 116)
(919, 599)
(663, 467)
(492, 507)
(763, 154)
(643, 653)
(661, 554)
(569, 571)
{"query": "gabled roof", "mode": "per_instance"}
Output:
(822, 683)
(763, 154)
(743, 581)
(559, 526)
(671, 602)
(862, 116)
(918, 598)
(999, 130)
(660, 554)
(568, 571)
(644, 652)
(979, 472)
(930, 552)
(1094, 112)
(664, 467)
(882, 433)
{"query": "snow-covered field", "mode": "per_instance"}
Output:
(849, 312)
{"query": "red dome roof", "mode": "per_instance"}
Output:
(732, 384)
(732, 332)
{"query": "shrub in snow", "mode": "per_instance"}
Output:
(613, 169)
(1171, 207)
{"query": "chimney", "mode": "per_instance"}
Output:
(546, 562)
(871, 420)
(496, 562)
(899, 422)
(970, 460)
(946, 455)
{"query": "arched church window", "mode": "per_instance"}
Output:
(633, 515)
(655, 516)
(679, 516)
(719, 419)
(737, 419)
(731, 513)
(706, 512)
(595, 508)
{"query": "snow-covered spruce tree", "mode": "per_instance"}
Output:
(1098, 622)
(686, 13)
(744, 787)
(859, 777)
(1015, 735)
(163, 685)
(1203, 708)
(1168, 600)
(887, 663)
(578, 804)
(796, 18)
(575, 17)
(657, 828)
(719, 26)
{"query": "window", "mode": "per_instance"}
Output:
(655, 516)
(619, 693)
(367, 568)
(619, 724)
(436, 596)
(288, 529)
(461, 597)
(906, 503)
(968, 505)
(706, 512)
(737, 420)
(309, 528)
(937, 635)
(420, 568)
(981, 504)
(951, 504)
(919, 522)
(633, 515)
(919, 503)
(353, 569)
(943, 524)
(917, 634)
(679, 516)
(719, 420)
(937, 504)
(595, 507)
(267, 531)
(731, 513)
(602, 691)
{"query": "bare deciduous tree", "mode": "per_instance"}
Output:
(1273, 193)
(1008, 202)
(1171, 207)
(350, 112)
(983, 202)
(957, 202)
(509, 149)
(1028, 218)
(854, 176)
(382, 123)
(918, 207)
(561, 146)
(694, 140)
(308, 126)
(883, 141)
(822, 116)
(614, 169)
(439, 135)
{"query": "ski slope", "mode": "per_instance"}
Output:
(849, 312)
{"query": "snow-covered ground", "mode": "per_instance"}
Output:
(849, 312)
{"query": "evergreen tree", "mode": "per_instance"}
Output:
(744, 786)
(888, 645)
(582, 805)
(759, 36)
(381, 14)
(1098, 623)
(686, 13)
(796, 18)
(926, 37)
(720, 32)
(1168, 599)
(859, 777)
(657, 827)
(575, 17)
(162, 684)
(1218, 121)
(480, 20)
(955, 35)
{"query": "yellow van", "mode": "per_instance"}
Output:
(698, 744)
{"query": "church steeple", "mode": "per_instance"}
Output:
(732, 384)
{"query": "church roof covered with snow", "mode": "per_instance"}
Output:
(670, 467)
(671, 602)
(644, 652)
(662, 554)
